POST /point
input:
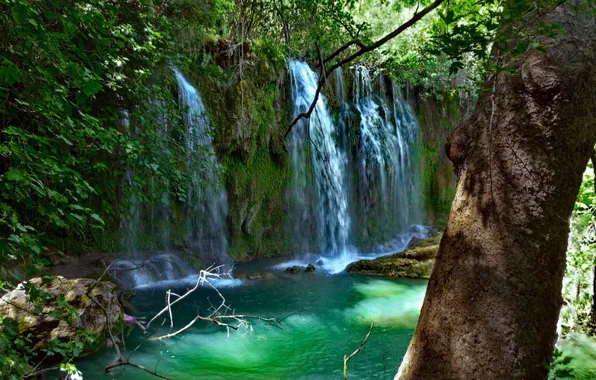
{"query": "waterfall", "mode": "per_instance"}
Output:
(346, 193)
(389, 191)
(206, 204)
(147, 226)
(132, 224)
(314, 148)
(160, 216)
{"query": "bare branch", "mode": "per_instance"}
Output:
(232, 321)
(203, 275)
(348, 357)
(216, 315)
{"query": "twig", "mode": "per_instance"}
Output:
(347, 358)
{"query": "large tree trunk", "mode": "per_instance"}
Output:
(494, 296)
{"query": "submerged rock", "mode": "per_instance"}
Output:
(415, 262)
(95, 305)
(254, 276)
(295, 269)
(298, 269)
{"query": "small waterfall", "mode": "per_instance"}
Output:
(147, 226)
(205, 210)
(344, 115)
(388, 190)
(206, 204)
(132, 223)
(160, 213)
(314, 147)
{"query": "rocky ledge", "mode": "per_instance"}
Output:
(415, 262)
(95, 308)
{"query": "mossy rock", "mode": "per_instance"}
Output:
(415, 262)
(94, 303)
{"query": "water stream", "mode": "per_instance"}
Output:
(389, 192)
(206, 201)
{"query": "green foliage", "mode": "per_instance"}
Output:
(67, 70)
(581, 259)
(14, 352)
(60, 130)
(574, 358)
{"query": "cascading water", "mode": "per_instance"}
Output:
(205, 208)
(314, 147)
(383, 198)
(160, 214)
(206, 200)
(132, 224)
(147, 226)
(389, 187)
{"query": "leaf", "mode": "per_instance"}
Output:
(10, 74)
(15, 175)
(17, 275)
(97, 218)
(91, 88)
(19, 13)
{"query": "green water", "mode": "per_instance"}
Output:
(333, 314)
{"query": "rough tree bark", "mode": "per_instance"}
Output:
(494, 296)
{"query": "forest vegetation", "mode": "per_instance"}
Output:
(97, 163)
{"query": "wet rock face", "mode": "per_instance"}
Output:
(95, 303)
(415, 262)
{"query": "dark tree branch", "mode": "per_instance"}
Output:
(342, 49)
(127, 363)
(363, 49)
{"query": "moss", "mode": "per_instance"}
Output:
(23, 325)
(415, 262)
(249, 116)
(437, 118)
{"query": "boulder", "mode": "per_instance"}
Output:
(415, 262)
(298, 269)
(295, 269)
(95, 303)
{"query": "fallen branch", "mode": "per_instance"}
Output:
(217, 315)
(347, 358)
(203, 275)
